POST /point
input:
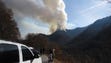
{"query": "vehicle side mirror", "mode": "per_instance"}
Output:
(36, 53)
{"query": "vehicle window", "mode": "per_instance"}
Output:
(27, 55)
(9, 53)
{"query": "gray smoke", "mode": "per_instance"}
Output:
(48, 11)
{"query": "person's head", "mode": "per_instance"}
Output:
(53, 49)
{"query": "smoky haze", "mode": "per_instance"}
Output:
(47, 11)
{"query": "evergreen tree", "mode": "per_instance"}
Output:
(8, 27)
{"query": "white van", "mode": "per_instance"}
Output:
(17, 53)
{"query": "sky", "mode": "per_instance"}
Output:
(45, 16)
(84, 12)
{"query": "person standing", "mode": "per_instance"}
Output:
(51, 55)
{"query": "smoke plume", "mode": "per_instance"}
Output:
(47, 11)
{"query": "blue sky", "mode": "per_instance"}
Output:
(84, 12)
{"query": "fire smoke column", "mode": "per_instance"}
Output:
(59, 16)
(47, 11)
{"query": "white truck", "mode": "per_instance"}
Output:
(17, 53)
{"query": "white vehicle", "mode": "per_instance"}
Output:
(17, 53)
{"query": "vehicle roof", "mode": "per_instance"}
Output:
(13, 43)
(9, 42)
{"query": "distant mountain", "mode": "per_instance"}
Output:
(62, 37)
(91, 31)
(94, 44)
